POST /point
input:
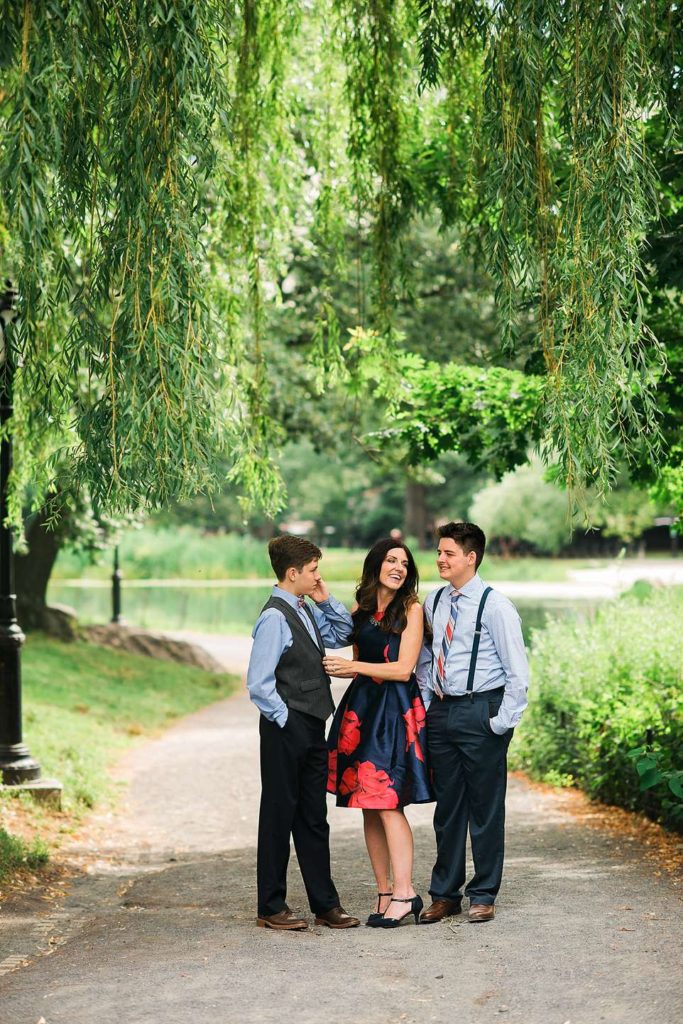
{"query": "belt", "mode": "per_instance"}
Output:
(476, 695)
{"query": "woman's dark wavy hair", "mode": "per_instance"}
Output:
(396, 616)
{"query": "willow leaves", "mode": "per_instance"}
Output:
(160, 160)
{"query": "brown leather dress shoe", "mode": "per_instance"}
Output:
(481, 912)
(337, 918)
(439, 909)
(284, 921)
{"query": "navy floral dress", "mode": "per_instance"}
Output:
(377, 747)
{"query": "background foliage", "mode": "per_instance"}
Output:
(597, 688)
(163, 162)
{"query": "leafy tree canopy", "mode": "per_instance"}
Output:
(490, 415)
(159, 159)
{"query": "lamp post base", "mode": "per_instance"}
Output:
(17, 766)
(47, 792)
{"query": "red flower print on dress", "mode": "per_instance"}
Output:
(415, 718)
(349, 733)
(368, 787)
(376, 679)
(387, 659)
(331, 771)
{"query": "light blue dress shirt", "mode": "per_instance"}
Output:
(502, 659)
(272, 637)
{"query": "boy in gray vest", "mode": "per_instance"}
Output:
(288, 684)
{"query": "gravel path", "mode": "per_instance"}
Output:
(158, 927)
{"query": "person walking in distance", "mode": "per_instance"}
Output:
(288, 684)
(473, 674)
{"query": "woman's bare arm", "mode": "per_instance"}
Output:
(401, 670)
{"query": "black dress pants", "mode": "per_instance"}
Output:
(469, 765)
(293, 803)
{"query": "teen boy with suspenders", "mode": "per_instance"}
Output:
(473, 675)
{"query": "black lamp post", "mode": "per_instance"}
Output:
(16, 764)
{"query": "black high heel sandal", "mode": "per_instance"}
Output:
(415, 908)
(374, 918)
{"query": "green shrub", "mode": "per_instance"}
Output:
(602, 689)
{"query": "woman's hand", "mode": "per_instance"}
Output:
(342, 668)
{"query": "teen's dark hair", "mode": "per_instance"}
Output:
(395, 617)
(289, 552)
(469, 536)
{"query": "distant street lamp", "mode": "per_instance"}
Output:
(16, 764)
(116, 589)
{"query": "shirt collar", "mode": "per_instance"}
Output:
(285, 595)
(473, 588)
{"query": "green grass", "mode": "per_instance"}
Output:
(186, 553)
(183, 553)
(15, 854)
(83, 705)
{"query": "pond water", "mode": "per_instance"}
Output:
(232, 608)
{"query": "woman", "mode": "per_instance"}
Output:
(377, 760)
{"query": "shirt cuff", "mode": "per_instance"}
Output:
(427, 697)
(496, 726)
(282, 716)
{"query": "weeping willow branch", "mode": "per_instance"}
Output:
(568, 193)
(376, 50)
(603, 367)
(106, 149)
(161, 159)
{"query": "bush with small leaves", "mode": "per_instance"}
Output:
(606, 705)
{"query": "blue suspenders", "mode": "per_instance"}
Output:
(477, 635)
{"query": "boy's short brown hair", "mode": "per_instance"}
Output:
(469, 536)
(289, 552)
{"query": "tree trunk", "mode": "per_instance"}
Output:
(416, 515)
(33, 570)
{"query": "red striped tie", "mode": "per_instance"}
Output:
(440, 675)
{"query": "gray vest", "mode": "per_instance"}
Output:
(300, 678)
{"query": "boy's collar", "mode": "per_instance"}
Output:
(286, 595)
